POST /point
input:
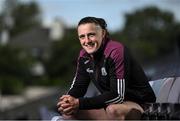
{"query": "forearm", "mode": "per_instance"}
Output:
(100, 101)
(77, 91)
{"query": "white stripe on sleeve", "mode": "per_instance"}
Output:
(120, 90)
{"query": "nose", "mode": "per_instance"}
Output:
(87, 39)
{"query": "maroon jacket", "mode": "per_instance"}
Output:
(115, 74)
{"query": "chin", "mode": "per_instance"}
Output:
(91, 52)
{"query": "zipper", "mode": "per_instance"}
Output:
(95, 68)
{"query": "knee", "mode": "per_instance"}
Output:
(114, 112)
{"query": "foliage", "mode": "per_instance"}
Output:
(25, 15)
(1, 23)
(11, 85)
(149, 33)
(14, 69)
(15, 63)
(62, 63)
(46, 81)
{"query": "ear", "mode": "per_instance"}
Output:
(104, 33)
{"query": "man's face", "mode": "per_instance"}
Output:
(90, 36)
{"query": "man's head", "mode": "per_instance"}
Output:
(91, 32)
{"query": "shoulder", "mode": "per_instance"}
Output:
(83, 56)
(114, 49)
(82, 53)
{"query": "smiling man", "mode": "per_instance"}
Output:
(109, 65)
(91, 37)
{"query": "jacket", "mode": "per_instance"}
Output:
(115, 73)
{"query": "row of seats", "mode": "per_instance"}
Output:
(167, 90)
(167, 105)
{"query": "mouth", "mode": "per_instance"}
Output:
(90, 44)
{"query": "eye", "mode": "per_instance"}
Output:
(81, 36)
(91, 34)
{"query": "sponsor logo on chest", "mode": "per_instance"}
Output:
(103, 71)
(89, 70)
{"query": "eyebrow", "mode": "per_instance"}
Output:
(82, 35)
(88, 34)
(91, 33)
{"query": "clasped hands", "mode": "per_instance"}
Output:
(68, 105)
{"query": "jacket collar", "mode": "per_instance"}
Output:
(99, 53)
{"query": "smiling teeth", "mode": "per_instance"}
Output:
(91, 44)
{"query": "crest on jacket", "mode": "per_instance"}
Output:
(103, 71)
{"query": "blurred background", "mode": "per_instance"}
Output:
(39, 46)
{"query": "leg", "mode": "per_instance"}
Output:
(95, 114)
(126, 110)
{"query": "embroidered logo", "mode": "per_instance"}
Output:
(89, 70)
(86, 61)
(103, 71)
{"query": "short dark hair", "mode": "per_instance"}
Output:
(98, 21)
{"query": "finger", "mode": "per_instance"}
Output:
(60, 109)
(70, 113)
(61, 102)
(71, 99)
(65, 100)
(67, 110)
(66, 105)
(64, 96)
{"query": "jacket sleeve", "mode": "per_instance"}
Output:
(139, 89)
(80, 82)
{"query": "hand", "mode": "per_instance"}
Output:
(62, 100)
(68, 105)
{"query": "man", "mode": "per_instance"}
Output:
(108, 64)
